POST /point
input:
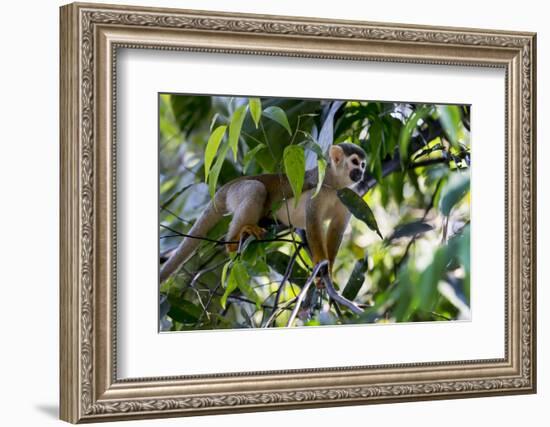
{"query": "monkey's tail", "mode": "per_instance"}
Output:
(202, 226)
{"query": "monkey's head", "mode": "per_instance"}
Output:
(348, 163)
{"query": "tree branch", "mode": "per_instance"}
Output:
(336, 296)
(222, 242)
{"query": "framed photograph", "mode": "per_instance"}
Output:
(267, 212)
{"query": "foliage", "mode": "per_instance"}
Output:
(405, 254)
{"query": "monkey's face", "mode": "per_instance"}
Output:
(348, 163)
(356, 167)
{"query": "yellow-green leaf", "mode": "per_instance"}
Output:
(238, 278)
(321, 169)
(455, 189)
(224, 272)
(450, 118)
(216, 169)
(278, 115)
(212, 148)
(255, 110)
(235, 129)
(295, 168)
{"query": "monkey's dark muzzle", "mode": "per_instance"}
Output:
(356, 175)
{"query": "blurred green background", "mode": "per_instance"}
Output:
(417, 186)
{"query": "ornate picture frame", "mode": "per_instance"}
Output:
(90, 37)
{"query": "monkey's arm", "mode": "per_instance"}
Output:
(335, 232)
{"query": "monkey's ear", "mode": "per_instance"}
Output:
(336, 154)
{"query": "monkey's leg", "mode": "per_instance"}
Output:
(247, 201)
(335, 233)
(314, 230)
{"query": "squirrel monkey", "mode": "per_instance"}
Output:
(250, 198)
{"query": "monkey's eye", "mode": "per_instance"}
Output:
(355, 161)
(362, 165)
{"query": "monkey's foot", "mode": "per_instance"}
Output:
(252, 230)
(232, 247)
(246, 230)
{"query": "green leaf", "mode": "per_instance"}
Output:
(359, 208)
(295, 168)
(235, 129)
(403, 294)
(224, 273)
(356, 279)
(278, 115)
(214, 174)
(168, 126)
(410, 229)
(313, 146)
(407, 131)
(278, 261)
(255, 110)
(251, 154)
(175, 195)
(184, 311)
(450, 118)
(464, 257)
(455, 189)
(249, 291)
(392, 130)
(212, 148)
(232, 282)
(464, 248)
(397, 182)
(321, 169)
(231, 286)
(239, 278)
(190, 111)
(426, 292)
(376, 142)
(251, 254)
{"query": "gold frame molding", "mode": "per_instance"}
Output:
(90, 37)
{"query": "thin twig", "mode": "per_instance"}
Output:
(185, 221)
(224, 242)
(175, 196)
(303, 292)
(167, 236)
(285, 278)
(207, 305)
(276, 314)
(199, 273)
